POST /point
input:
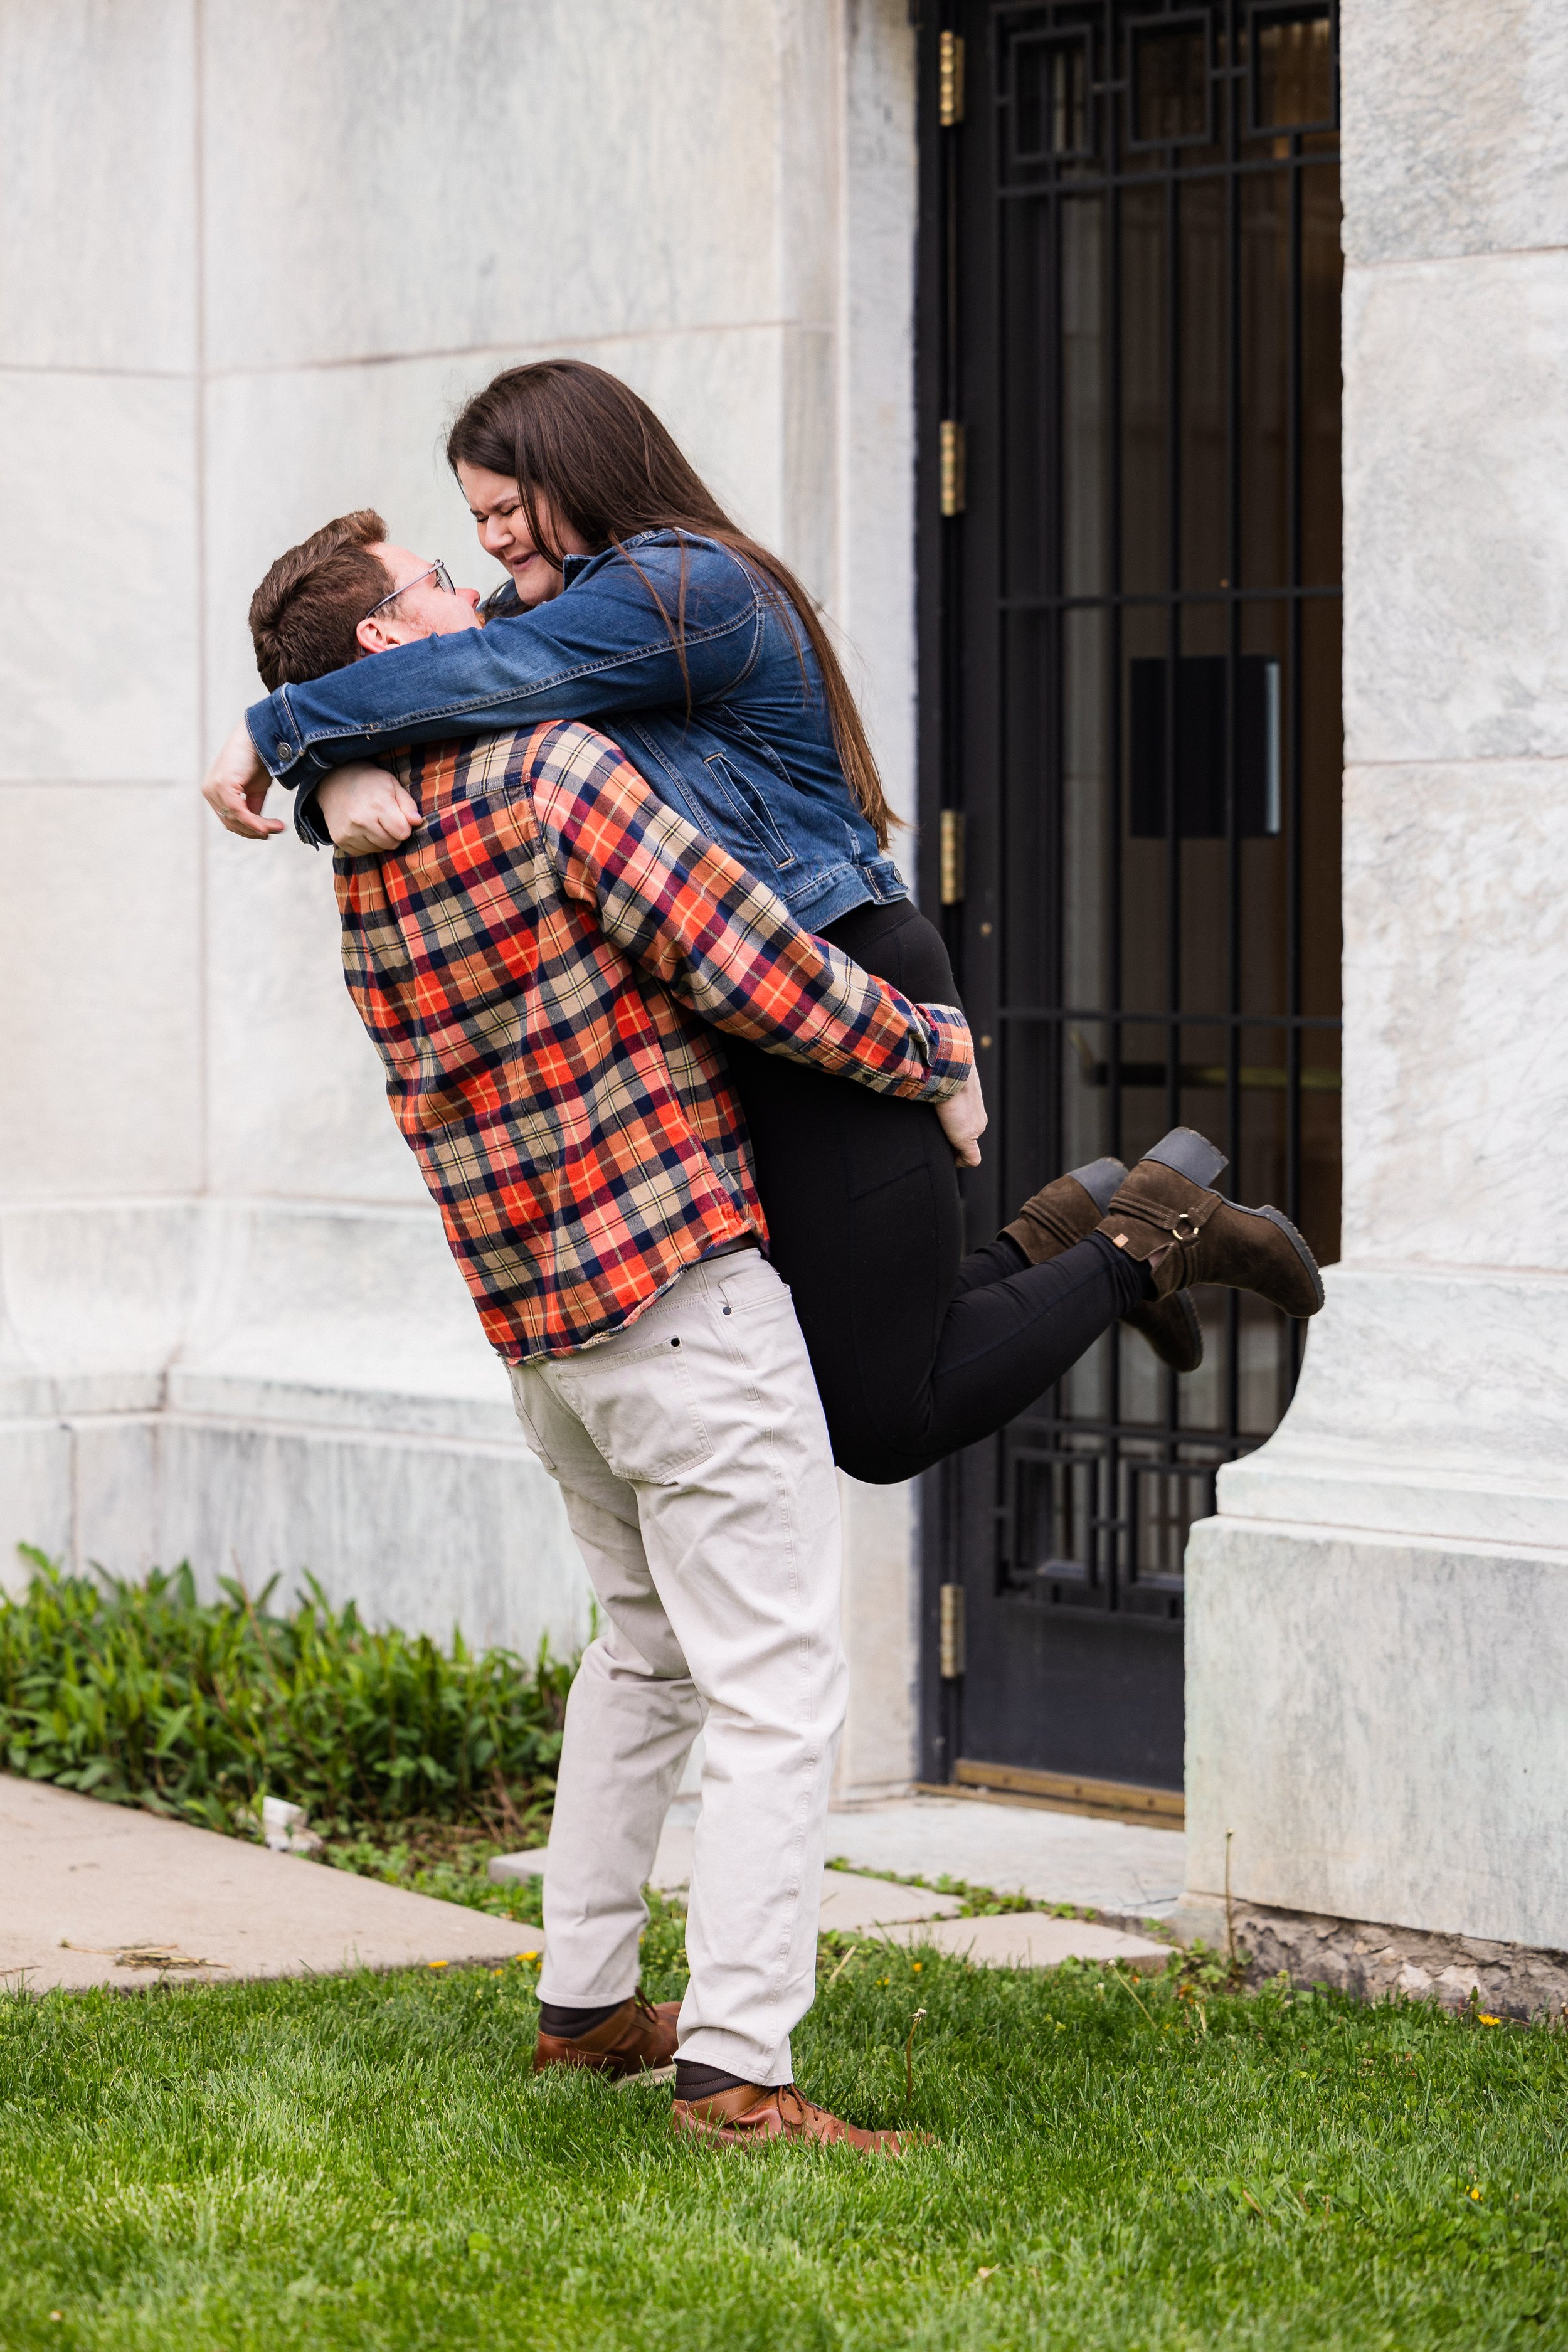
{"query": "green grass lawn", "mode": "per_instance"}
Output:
(368, 2162)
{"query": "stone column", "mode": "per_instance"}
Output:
(1378, 1638)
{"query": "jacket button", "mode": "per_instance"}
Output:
(285, 750)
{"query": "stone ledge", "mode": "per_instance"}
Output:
(1372, 1960)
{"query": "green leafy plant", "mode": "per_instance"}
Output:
(144, 1693)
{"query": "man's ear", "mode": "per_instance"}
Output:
(372, 638)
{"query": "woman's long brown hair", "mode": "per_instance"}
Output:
(582, 439)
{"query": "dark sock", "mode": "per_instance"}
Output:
(566, 2024)
(1136, 1282)
(695, 2082)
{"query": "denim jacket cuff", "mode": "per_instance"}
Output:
(277, 742)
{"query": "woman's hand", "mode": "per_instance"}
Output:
(237, 785)
(963, 1120)
(366, 811)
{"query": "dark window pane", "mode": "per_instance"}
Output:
(1323, 270)
(1204, 380)
(1170, 78)
(1194, 724)
(1051, 105)
(1145, 391)
(1292, 67)
(1265, 198)
(1085, 437)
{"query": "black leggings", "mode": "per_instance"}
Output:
(917, 1350)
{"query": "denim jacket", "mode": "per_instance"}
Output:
(741, 744)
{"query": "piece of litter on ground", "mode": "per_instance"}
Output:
(1031, 1939)
(283, 1827)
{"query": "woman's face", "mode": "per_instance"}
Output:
(495, 504)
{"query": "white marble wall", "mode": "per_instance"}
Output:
(1377, 1714)
(255, 250)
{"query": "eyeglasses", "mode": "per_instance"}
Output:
(437, 571)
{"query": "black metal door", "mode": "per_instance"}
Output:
(1131, 728)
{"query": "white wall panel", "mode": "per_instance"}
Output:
(98, 227)
(387, 177)
(1456, 477)
(1456, 136)
(100, 591)
(100, 969)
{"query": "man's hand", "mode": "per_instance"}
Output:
(963, 1120)
(236, 787)
(366, 811)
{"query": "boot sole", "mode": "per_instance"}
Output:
(1278, 1217)
(1150, 1321)
(1192, 1155)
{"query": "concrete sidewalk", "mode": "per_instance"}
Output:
(94, 1893)
(1126, 1869)
(1133, 1873)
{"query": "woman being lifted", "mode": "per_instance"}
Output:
(635, 604)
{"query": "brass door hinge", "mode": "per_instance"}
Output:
(949, 79)
(950, 1639)
(950, 858)
(949, 466)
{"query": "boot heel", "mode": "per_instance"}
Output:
(1102, 1179)
(1192, 1155)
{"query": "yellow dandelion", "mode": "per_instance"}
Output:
(917, 1966)
(1484, 2020)
(437, 1964)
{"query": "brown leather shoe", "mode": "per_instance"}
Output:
(1067, 1210)
(749, 2115)
(637, 2039)
(1166, 1215)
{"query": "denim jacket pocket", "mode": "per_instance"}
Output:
(739, 801)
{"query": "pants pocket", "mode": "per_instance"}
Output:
(641, 1411)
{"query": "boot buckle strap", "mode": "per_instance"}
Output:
(1183, 1218)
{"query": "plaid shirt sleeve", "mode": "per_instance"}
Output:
(728, 947)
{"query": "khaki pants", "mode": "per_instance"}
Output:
(694, 1460)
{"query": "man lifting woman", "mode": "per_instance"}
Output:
(636, 808)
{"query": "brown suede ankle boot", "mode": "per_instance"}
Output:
(1184, 1234)
(1067, 1210)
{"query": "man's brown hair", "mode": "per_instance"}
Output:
(304, 614)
